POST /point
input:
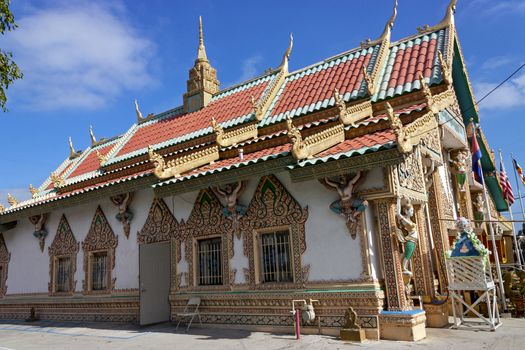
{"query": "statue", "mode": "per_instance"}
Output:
(13, 202)
(40, 232)
(299, 148)
(124, 215)
(460, 163)
(347, 206)
(232, 210)
(351, 330)
(406, 233)
(479, 209)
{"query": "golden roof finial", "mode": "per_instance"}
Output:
(12, 200)
(286, 56)
(101, 158)
(137, 111)
(386, 32)
(449, 15)
(33, 190)
(93, 138)
(72, 152)
(201, 53)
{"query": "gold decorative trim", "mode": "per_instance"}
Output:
(448, 20)
(2, 208)
(100, 238)
(5, 257)
(177, 166)
(33, 191)
(64, 245)
(13, 202)
(57, 180)
(445, 69)
(160, 224)
(313, 144)
(235, 136)
(436, 103)
(349, 115)
(101, 158)
(385, 35)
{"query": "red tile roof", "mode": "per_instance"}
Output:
(378, 138)
(90, 162)
(223, 109)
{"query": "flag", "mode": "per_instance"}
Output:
(476, 157)
(519, 171)
(505, 185)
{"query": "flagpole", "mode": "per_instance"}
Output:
(518, 185)
(517, 247)
(491, 230)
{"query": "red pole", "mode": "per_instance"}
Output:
(297, 324)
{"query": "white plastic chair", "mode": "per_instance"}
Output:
(191, 310)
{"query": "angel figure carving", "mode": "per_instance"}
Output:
(40, 232)
(124, 215)
(406, 232)
(348, 205)
(229, 195)
(460, 163)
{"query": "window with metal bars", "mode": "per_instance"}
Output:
(62, 273)
(210, 261)
(99, 271)
(276, 257)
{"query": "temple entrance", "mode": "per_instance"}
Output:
(154, 279)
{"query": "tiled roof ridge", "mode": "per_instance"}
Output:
(245, 84)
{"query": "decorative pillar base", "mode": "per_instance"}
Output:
(437, 314)
(357, 335)
(402, 325)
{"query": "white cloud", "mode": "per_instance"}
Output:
(509, 95)
(497, 62)
(495, 8)
(250, 68)
(81, 55)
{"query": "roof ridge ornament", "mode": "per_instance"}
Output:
(33, 191)
(2, 208)
(140, 118)
(13, 202)
(403, 140)
(369, 83)
(92, 136)
(57, 180)
(445, 69)
(235, 136)
(385, 36)
(72, 153)
(101, 158)
(349, 115)
(448, 19)
(286, 57)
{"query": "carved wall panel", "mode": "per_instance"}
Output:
(273, 206)
(160, 225)
(100, 238)
(64, 245)
(206, 221)
(5, 257)
(395, 290)
(411, 173)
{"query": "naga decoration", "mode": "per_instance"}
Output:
(385, 36)
(445, 69)
(92, 136)
(370, 88)
(311, 145)
(13, 202)
(72, 153)
(403, 141)
(348, 206)
(232, 210)
(102, 159)
(460, 164)
(140, 118)
(175, 167)
(406, 233)
(57, 180)
(2, 208)
(33, 191)
(233, 137)
(40, 232)
(349, 115)
(124, 215)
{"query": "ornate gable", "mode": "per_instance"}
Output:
(160, 225)
(273, 206)
(64, 242)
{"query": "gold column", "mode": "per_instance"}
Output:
(394, 287)
(424, 282)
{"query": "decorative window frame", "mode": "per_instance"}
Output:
(64, 245)
(257, 254)
(100, 238)
(5, 257)
(196, 261)
(272, 206)
(207, 221)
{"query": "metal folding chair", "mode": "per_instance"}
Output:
(191, 310)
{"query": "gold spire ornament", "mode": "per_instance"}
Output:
(140, 118)
(448, 19)
(201, 51)
(72, 153)
(33, 190)
(385, 36)
(92, 136)
(13, 202)
(286, 57)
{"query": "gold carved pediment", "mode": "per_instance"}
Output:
(175, 167)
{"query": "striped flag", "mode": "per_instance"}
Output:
(476, 157)
(505, 185)
(519, 171)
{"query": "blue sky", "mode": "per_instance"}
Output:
(85, 61)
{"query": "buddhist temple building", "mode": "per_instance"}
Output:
(339, 182)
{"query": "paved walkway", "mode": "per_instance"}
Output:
(57, 336)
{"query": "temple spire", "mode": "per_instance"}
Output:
(449, 15)
(201, 53)
(202, 83)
